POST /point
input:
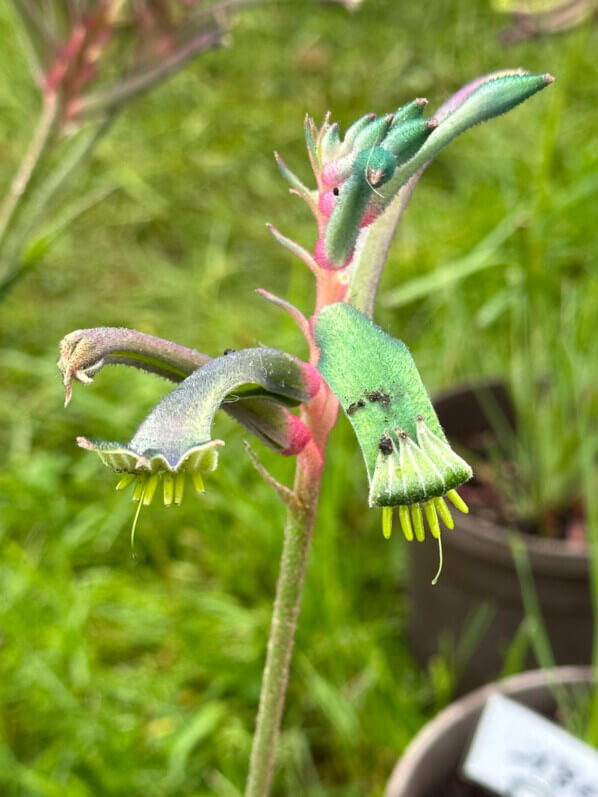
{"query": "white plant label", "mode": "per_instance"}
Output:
(517, 753)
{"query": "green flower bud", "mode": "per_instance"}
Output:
(404, 140)
(407, 113)
(490, 98)
(330, 143)
(371, 169)
(373, 134)
(355, 129)
(174, 440)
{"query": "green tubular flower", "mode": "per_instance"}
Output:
(174, 441)
(409, 461)
(85, 352)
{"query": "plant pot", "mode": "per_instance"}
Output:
(430, 764)
(479, 569)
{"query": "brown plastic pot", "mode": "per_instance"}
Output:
(433, 758)
(478, 569)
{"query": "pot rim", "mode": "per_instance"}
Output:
(419, 751)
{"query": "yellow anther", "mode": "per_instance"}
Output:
(127, 479)
(179, 488)
(139, 488)
(418, 522)
(143, 483)
(405, 519)
(168, 489)
(150, 489)
(444, 513)
(198, 481)
(387, 522)
(432, 518)
(455, 499)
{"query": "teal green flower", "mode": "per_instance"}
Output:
(175, 441)
(409, 461)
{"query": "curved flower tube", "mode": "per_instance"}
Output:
(84, 352)
(409, 461)
(183, 419)
(175, 438)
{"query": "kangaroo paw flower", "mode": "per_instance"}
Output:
(84, 352)
(174, 441)
(409, 462)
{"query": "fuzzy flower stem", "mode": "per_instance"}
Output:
(297, 539)
(320, 417)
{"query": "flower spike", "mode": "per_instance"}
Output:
(349, 200)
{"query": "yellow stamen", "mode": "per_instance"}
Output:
(432, 518)
(418, 521)
(136, 518)
(139, 488)
(179, 488)
(150, 489)
(444, 513)
(127, 479)
(198, 481)
(387, 522)
(405, 519)
(437, 576)
(455, 499)
(168, 489)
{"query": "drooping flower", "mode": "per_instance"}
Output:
(409, 461)
(174, 441)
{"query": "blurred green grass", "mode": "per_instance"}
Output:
(140, 676)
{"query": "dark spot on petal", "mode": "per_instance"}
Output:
(385, 445)
(377, 397)
(228, 351)
(336, 190)
(357, 405)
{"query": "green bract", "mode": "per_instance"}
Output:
(408, 458)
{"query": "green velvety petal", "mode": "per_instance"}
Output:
(374, 377)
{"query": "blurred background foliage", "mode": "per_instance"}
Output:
(124, 675)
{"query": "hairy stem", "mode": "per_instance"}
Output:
(37, 147)
(297, 538)
(373, 251)
(319, 416)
